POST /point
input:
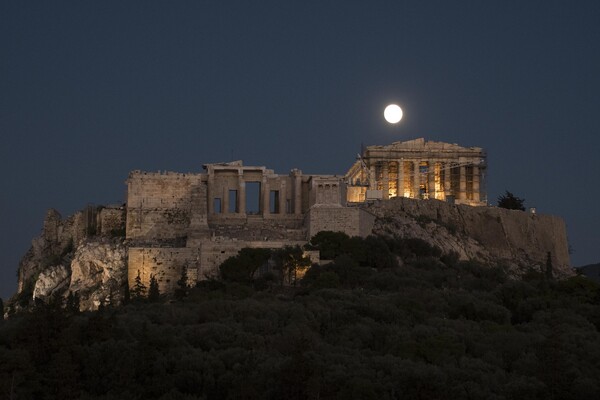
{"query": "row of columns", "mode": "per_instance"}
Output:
(447, 184)
(265, 193)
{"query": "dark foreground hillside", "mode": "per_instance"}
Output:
(424, 331)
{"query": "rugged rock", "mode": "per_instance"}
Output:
(490, 235)
(55, 243)
(99, 273)
(86, 253)
(52, 281)
(82, 253)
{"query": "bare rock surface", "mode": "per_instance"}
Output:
(51, 281)
(99, 273)
(490, 235)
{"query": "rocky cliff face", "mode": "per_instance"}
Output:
(99, 273)
(83, 254)
(86, 253)
(490, 235)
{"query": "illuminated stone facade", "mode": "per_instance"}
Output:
(419, 169)
(198, 220)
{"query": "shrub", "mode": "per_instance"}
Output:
(241, 268)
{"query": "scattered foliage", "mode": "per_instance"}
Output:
(153, 292)
(138, 292)
(181, 291)
(511, 202)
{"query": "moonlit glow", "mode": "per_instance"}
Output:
(392, 114)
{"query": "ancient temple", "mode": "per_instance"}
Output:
(199, 219)
(419, 169)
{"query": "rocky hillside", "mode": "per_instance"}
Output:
(488, 235)
(83, 254)
(86, 254)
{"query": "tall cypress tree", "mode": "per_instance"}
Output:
(153, 292)
(182, 285)
(138, 292)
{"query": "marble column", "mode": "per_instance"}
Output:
(476, 188)
(462, 195)
(447, 179)
(416, 180)
(282, 198)
(225, 201)
(265, 194)
(298, 193)
(431, 179)
(385, 178)
(241, 206)
(372, 177)
(400, 186)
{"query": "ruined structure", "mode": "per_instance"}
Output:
(197, 220)
(419, 170)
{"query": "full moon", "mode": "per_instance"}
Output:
(392, 114)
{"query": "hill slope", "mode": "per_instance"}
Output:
(421, 330)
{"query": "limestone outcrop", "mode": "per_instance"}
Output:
(88, 254)
(83, 254)
(52, 281)
(490, 235)
(55, 242)
(99, 273)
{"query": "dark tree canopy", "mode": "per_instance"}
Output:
(182, 285)
(292, 263)
(330, 244)
(511, 202)
(422, 330)
(138, 291)
(241, 268)
(153, 292)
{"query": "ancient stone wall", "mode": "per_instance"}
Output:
(163, 205)
(111, 221)
(351, 220)
(166, 263)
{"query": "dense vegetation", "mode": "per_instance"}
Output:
(511, 202)
(362, 327)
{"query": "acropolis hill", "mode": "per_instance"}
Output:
(429, 190)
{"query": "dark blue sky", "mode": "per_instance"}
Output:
(92, 90)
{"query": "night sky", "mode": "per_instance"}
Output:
(92, 90)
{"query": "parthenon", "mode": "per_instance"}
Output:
(419, 169)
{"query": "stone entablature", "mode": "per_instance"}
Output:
(419, 169)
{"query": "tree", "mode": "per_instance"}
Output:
(182, 285)
(292, 263)
(139, 289)
(72, 302)
(126, 295)
(511, 202)
(330, 244)
(153, 292)
(243, 266)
